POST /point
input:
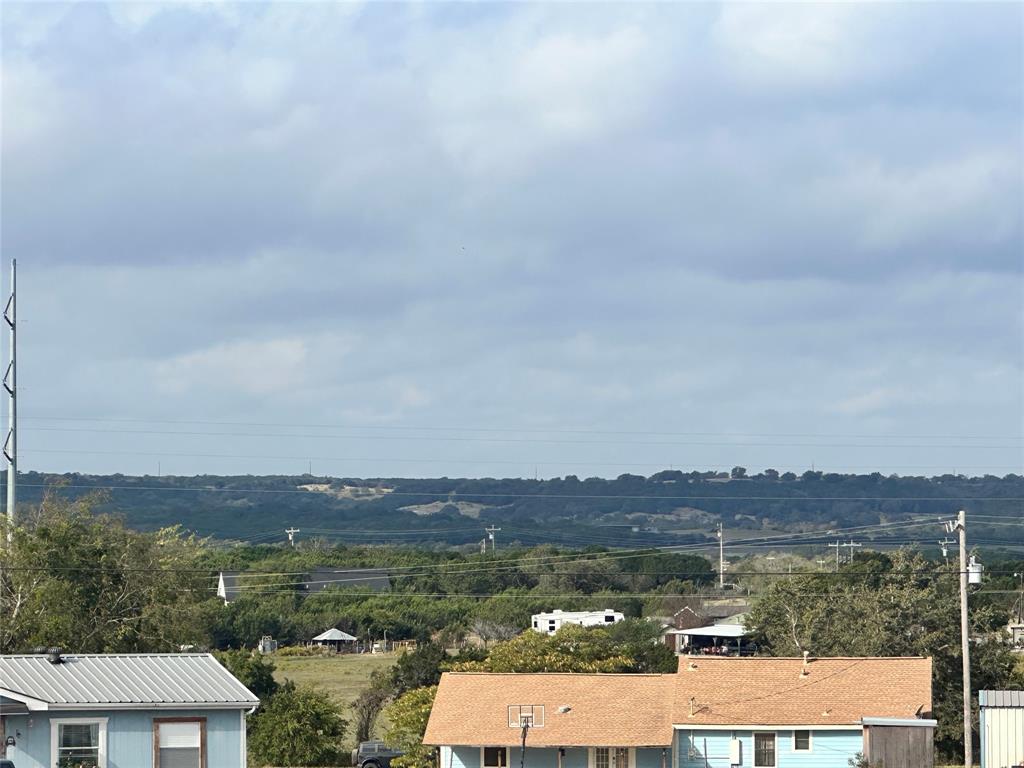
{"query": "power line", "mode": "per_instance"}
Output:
(502, 461)
(524, 430)
(462, 439)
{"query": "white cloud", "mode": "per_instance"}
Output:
(248, 367)
(799, 44)
(972, 199)
(501, 105)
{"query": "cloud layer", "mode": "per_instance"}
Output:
(769, 219)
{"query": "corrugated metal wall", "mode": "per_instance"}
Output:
(1002, 737)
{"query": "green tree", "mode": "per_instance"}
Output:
(578, 649)
(908, 608)
(418, 669)
(253, 670)
(408, 716)
(297, 726)
(85, 583)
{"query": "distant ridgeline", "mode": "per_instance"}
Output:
(670, 507)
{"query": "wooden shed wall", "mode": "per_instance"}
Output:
(895, 746)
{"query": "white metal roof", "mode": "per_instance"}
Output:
(334, 635)
(1001, 698)
(123, 681)
(573, 615)
(715, 630)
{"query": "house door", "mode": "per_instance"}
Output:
(611, 757)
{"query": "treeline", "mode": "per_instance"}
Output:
(85, 582)
(669, 507)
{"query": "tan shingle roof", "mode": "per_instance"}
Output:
(605, 710)
(770, 691)
(639, 710)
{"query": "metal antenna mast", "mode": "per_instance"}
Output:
(10, 382)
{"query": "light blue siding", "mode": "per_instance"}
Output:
(129, 737)
(575, 757)
(829, 749)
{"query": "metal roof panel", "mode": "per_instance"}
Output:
(1001, 698)
(157, 679)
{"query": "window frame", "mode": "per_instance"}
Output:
(483, 751)
(775, 749)
(101, 749)
(810, 741)
(157, 721)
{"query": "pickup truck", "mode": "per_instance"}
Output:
(373, 754)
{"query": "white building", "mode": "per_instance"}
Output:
(1002, 728)
(549, 623)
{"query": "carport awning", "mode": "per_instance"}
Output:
(12, 707)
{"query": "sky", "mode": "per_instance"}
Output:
(508, 239)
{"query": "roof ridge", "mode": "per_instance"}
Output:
(809, 658)
(467, 673)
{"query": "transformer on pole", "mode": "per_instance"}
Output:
(10, 382)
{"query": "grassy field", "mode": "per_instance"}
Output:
(344, 676)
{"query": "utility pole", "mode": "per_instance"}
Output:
(721, 557)
(490, 534)
(960, 526)
(1020, 600)
(10, 383)
(851, 544)
(291, 535)
(837, 545)
(944, 545)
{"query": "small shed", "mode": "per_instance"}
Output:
(1002, 728)
(341, 642)
(899, 742)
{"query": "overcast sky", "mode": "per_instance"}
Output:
(625, 237)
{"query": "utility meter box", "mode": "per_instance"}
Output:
(735, 752)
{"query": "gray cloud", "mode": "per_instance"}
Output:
(738, 218)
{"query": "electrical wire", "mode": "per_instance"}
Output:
(503, 462)
(464, 439)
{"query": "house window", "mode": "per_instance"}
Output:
(801, 741)
(495, 757)
(764, 750)
(79, 742)
(179, 743)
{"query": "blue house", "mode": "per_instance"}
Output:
(715, 712)
(122, 711)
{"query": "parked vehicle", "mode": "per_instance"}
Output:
(370, 754)
(6, 764)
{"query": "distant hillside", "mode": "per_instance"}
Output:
(669, 507)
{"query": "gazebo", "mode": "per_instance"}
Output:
(336, 639)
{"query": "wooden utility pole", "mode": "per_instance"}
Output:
(837, 545)
(721, 557)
